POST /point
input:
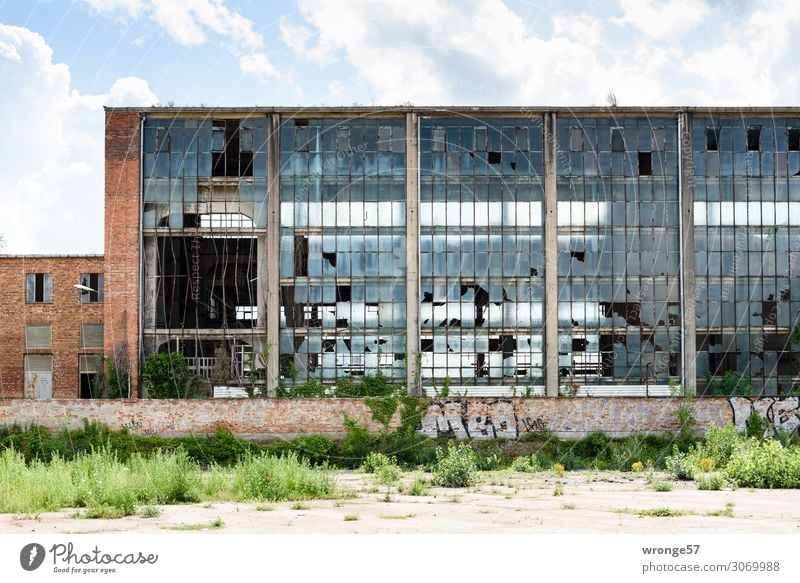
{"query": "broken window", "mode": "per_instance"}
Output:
(617, 139)
(712, 139)
(88, 367)
(794, 139)
(753, 138)
(92, 285)
(38, 288)
(228, 158)
(576, 139)
(645, 164)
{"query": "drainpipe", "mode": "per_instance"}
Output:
(139, 307)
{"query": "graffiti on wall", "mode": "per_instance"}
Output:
(780, 413)
(478, 419)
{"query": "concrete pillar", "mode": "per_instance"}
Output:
(412, 256)
(686, 196)
(550, 257)
(272, 275)
(150, 291)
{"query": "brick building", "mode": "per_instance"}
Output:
(51, 330)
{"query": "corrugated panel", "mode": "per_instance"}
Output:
(91, 336)
(38, 336)
(38, 363)
(89, 363)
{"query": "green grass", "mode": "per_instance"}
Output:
(214, 524)
(727, 511)
(397, 516)
(656, 512)
(149, 512)
(351, 517)
(264, 508)
(662, 486)
(262, 477)
(567, 506)
(300, 506)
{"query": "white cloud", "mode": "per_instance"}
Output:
(662, 19)
(294, 36)
(51, 175)
(257, 64)
(474, 51)
(756, 63)
(189, 22)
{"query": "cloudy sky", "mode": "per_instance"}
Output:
(62, 60)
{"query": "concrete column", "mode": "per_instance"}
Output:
(686, 194)
(262, 272)
(412, 256)
(272, 275)
(550, 257)
(150, 295)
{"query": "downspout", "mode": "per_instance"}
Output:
(681, 146)
(142, 119)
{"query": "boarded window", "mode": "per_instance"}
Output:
(38, 336)
(38, 376)
(91, 336)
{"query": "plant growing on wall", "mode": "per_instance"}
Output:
(731, 384)
(166, 376)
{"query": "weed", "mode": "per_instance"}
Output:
(456, 468)
(662, 486)
(558, 469)
(397, 516)
(710, 481)
(706, 464)
(261, 477)
(216, 523)
(351, 517)
(418, 487)
(637, 467)
(567, 506)
(300, 506)
(264, 508)
(727, 511)
(149, 512)
(375, 460)
(656, 512)
(558, 490)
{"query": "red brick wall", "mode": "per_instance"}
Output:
(123, 152)
(65, 314)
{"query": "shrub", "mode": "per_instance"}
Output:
(375, 460)
(558, 469)
(526, 464)
(755, 426)
(166, 376)
(764, 464)
(356, 445)
(456, 468)
(387, 474)
(262, 477)
(682, 464)
(662, 486)
(719, 443)
(706, 464)
(637, 467)
(317, 449)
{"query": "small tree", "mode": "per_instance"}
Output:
(222, 365)
(166, 376)
(731, 384)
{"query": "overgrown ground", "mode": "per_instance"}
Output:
(502, 502)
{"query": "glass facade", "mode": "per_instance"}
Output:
(342, 251)
(204, 211)
(481, 251)
(747, 240)
(619, 313)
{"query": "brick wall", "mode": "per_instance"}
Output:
(65, 315)
(123, 151)
(473, 417)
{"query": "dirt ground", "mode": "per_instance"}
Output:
(503, 502)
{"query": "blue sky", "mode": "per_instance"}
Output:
(62, 60)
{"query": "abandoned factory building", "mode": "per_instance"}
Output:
(496, 250)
